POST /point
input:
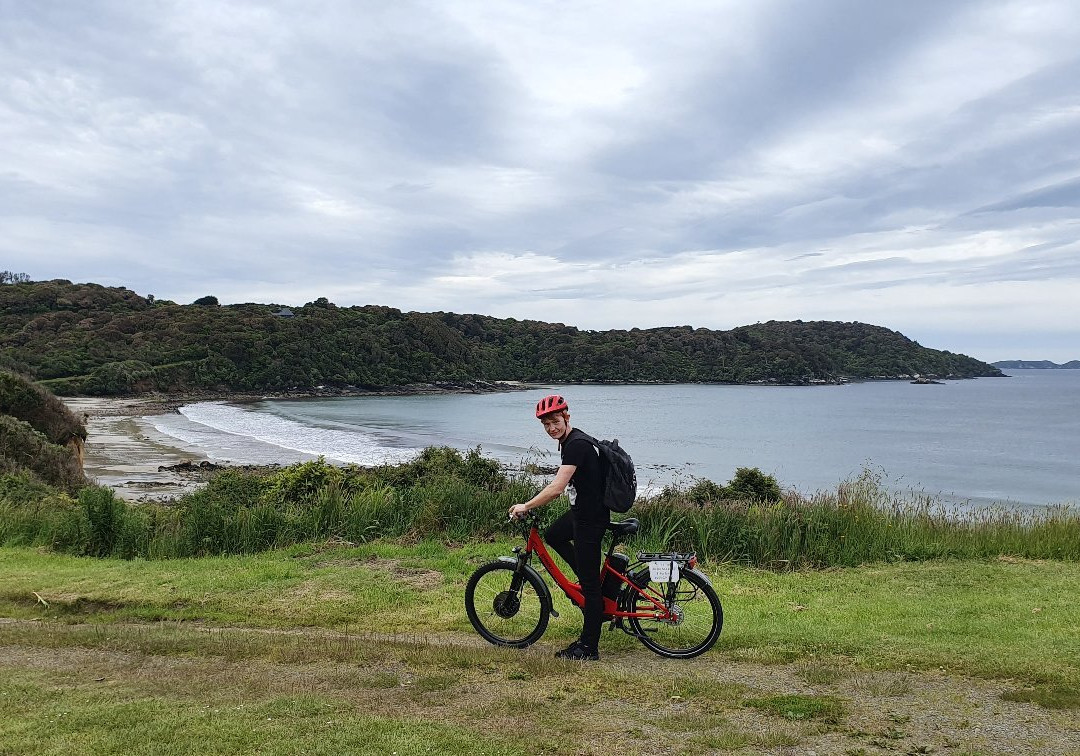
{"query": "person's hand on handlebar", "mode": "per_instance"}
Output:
(518, 511)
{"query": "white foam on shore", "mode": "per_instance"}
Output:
(239, 434)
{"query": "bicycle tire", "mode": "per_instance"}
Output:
(701, 617)
(489, 602)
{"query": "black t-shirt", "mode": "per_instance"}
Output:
(586, 488)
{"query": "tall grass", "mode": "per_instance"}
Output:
(862, 522)
(458, 497)
(240, 512)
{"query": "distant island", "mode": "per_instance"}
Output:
(1036, 365)
(110, 341)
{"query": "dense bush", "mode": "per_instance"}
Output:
(443, 462)
(441, 492)
(24, 449)
(749, 484)
(21, 488)
(38, 434)
(444, 494)
(25, 400)
(119, 378)
(752, 484)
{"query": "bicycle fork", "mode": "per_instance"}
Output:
(522, 559)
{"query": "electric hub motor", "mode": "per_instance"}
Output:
(506, 604)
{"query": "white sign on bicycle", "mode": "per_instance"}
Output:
(664, 572)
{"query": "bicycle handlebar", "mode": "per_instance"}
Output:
(525, 523)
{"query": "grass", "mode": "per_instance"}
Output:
(799, 707)
(861, 522)
(1049, 697)
(891, 616)
(171, 689)
(465, 498)
(318, 609)
(326, 648)
(48, 713)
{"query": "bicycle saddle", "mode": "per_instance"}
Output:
(624, 528)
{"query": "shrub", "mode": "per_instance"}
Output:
(35, 514)
(22, 448)
(751, 483)
(443, 461)
(118, 378)
(21, 488)
(705, 491)
(27, 401)
(300, 482)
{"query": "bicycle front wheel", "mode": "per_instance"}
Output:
(693, 622)
(506, 608)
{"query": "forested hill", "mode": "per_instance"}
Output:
(86, 338)
(1037, 365)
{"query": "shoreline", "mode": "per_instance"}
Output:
(125, 452)
(153, 403)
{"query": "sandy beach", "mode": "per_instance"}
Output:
(124, 451)
(127, 453)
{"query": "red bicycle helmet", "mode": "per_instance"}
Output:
(549, 404)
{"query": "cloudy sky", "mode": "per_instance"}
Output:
(604, 164)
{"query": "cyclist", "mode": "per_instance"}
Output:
(577, 535)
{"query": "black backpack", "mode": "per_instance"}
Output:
(617, 475)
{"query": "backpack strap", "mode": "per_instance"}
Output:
(591, 440)
(581, 434)
(588, 438)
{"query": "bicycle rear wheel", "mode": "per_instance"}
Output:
(507, 609)
(694, 622)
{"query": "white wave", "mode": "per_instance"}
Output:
(351, 446)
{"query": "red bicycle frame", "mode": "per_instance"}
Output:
(534, 544)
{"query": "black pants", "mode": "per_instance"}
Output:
(578, 541)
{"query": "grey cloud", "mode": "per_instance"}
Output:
(1046, 262)
(890, 263)
(810, 58)
(1064, 195)
(406, 187)
(231, 146)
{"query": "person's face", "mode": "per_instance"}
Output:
(555, 424)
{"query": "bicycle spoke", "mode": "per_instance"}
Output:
(689, 622)
(503, 616)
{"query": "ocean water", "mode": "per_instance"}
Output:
(1014, 441)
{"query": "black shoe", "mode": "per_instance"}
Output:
(577, 651)
(565, 653)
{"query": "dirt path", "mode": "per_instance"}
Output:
(884, 712)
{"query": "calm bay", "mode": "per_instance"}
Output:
(1013, 441)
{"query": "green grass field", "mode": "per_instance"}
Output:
(330, 648)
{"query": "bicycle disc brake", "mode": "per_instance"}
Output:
(675, 615)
